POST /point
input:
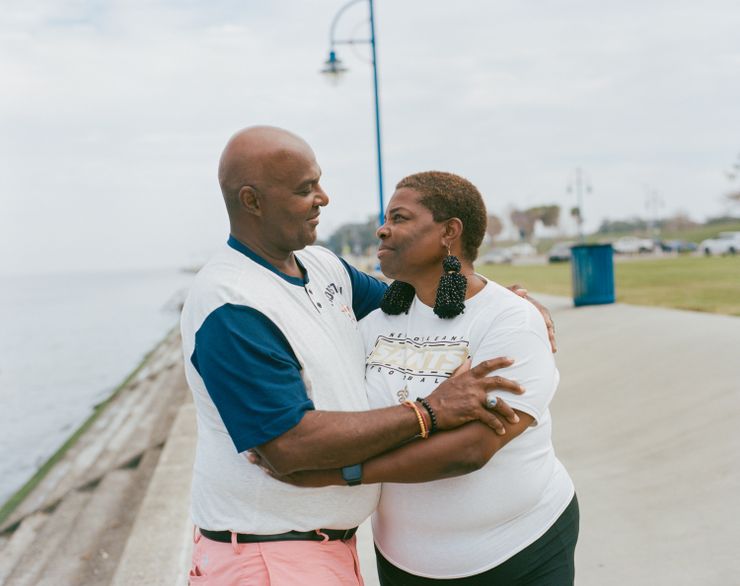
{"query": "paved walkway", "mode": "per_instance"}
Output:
(646, 420)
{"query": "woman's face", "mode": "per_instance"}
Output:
(410, 239)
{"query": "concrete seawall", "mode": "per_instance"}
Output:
(645, 421)
(73, 526)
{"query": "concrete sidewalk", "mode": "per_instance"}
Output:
(646, 421)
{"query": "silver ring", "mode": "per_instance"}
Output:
(491, 402)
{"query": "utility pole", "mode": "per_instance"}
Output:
(653, 203)
(579, 183)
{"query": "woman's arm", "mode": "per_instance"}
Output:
(443, 455)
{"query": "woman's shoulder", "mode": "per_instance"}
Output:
(501, 308)
(499, 301)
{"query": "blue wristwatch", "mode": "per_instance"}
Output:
(352, 475)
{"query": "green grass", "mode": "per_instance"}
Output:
(687, 282)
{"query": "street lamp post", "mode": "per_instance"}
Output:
(333, 66)
(653, 203)
(578, 184)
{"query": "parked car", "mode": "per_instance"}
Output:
(496, 256)
(632, 245)
(678, 246)
(560, 252)
(724, 243)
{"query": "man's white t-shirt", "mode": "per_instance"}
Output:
(261, 348)
(463, 526)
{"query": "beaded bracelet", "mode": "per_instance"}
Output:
(432, 414)
(419, 417)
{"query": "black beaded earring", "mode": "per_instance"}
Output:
(397, 298)
(450, 301)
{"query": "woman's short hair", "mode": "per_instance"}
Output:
(447, 196)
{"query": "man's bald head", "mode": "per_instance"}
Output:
(270, 181)
(253, 156)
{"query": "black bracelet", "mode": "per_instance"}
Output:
(432, 414)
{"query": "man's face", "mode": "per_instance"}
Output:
(291, 199)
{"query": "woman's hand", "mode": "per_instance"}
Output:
(522, 292)
(303, 478)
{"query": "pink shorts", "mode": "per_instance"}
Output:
(275, 563)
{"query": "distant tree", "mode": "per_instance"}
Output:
(633, 224)
(733, 198)
(548, 215)
(726, 219)
(678, 222)
(353, 238)
(494, 227)
(524, 222)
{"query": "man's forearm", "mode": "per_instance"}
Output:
(444, 455)
(332, 439)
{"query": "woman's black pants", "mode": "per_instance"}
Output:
(546, 562)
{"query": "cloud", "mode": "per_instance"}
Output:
(113, 113)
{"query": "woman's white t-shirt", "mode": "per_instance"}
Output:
(466, 525)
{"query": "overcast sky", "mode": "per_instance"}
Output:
(113, 113)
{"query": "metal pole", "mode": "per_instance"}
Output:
(377, 115)
(579, 194)
(334, 22)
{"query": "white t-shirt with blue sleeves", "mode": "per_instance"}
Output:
(261, 348)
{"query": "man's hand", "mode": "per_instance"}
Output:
(464, 396)
(522, 292)
(304, 478)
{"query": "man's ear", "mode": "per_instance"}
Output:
(249, 200)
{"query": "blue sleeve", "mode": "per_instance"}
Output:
(367, 291)
(251, 374)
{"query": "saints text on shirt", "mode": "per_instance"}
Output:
(419, 356)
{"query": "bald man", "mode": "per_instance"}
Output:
(276, 364)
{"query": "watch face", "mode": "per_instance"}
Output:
(352, 475)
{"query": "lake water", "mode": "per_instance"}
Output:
(66, 341)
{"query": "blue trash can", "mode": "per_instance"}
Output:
(592, 268)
